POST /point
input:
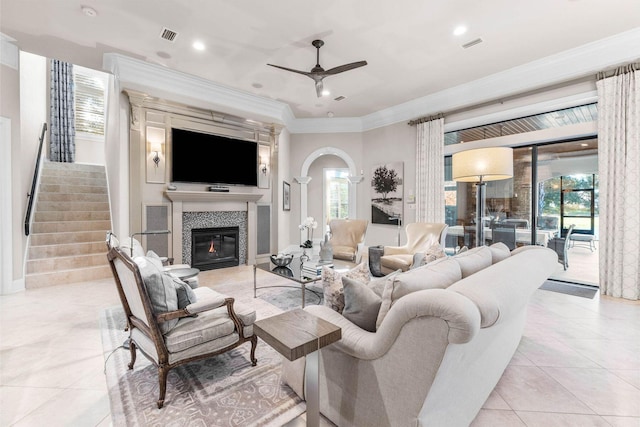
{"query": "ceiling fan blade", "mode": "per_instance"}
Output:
(319, 88)
(345, 67)
(304, 73)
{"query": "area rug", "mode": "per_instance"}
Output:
(569, 289)
(223, 391)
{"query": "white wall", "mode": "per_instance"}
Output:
(284, 169)
(11, 235)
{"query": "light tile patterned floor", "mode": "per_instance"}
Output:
(577, 365)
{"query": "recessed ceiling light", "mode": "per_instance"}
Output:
(89, 11)
(326, 93)
(584, 144)
(198, 45)
(459, 30)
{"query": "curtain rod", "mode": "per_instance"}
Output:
(623, 69)
(425, 119)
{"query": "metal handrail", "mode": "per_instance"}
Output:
(27, 219)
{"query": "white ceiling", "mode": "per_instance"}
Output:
(409, 46)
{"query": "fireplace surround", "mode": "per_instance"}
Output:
(202, 209)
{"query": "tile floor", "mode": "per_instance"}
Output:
(578, 363)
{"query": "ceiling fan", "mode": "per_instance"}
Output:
(318, 73)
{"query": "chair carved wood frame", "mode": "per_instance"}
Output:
(151, 328)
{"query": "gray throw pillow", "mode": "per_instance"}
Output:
(361, 304)
(184, 292)
(160, 289)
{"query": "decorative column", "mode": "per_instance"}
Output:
(354, 180)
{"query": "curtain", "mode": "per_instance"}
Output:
(62, 147)
(430, 171)
(619, 169)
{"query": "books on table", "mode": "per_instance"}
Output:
(313, 269)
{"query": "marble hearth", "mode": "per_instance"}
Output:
(192, 209)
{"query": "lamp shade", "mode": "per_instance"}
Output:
(483, 164)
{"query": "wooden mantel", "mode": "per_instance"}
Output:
(210, 201)
(211, 196)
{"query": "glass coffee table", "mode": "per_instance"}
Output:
(292, 272)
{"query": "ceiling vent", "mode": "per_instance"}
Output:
(168, 34)
(472, 43)
(339, 98)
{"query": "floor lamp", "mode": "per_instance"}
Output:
(479, 166)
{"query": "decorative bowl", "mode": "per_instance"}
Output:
(281, 260)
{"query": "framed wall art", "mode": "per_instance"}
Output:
(286, 196)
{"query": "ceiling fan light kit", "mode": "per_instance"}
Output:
(317, 73)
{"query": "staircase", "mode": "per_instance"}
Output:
(70, 222)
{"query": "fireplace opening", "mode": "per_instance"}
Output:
(214, 247)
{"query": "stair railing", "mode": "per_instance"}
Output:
(30, 195)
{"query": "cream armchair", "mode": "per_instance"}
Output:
(420, 236)
(347, 238)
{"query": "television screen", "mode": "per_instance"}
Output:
(213, 159)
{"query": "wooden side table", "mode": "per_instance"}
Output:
(297, 333)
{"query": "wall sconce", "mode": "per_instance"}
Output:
(264, 168)
(155, 142)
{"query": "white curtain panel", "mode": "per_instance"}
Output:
(430, 171)
(619, 169)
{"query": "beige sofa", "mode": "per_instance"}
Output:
(439, 352)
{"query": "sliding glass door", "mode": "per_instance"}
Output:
(554, 186)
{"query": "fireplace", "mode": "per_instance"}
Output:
(214, 247)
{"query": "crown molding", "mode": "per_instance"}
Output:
(326, 125)
(562, 67)
(552, 70)
(9, 53)
(178, 86)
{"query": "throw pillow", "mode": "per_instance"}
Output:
(332, 284)
(473, 260)
(155, 259)
(361, 304)
(499, 252)
(432, 253)
(184, 293)
(160, 289)
(439, 274)
(377, 284)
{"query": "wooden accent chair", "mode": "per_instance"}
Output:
(347, 238)
(420, 237)
(171, 337)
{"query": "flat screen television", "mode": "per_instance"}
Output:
(213, 159)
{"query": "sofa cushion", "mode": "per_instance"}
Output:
(361, 304)
(473, 260)
(433, 253)
(160, 288)
(499, 252)
(438, 274)
(206, 326)
(332, 284)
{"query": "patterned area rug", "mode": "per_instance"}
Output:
(224, 390)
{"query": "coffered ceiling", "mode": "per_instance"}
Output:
(409, 45)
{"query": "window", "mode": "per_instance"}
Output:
(336, 186)
(90, 101)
